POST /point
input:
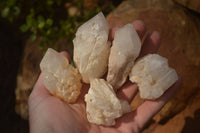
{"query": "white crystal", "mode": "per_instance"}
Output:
(102, 105)
(125, 49)
(60, 78)
(91, 48)
(153, 76)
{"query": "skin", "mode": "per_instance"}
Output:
(48, 114)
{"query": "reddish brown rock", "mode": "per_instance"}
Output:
(27, 77)
(191, 4)
(180, 30)
(187, 121)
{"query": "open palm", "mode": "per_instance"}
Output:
(49, 114)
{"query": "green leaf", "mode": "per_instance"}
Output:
(48, 32)
(24, 28)
(5, 12)
(29, 20)
(49, 22)
(40, 18)
(33, 37)
(41, 24)
(16, 11)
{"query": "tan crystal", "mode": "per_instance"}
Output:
(125, 49)
(60, 78)
(153, 76)
(91, 48)
(102, 105)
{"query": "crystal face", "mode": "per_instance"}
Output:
(102, 105)
(153, 76)
(125, 49)
(91, 48)
(60, 78)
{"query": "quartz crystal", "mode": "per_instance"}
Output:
(125, 49)
(91, 48)
(153, 76)
(60, 78)
(102, 105)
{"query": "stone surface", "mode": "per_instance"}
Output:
(27, 76)
(180, 30)
(125, 49)
(91, 48)
(102, 105)
(60, 78)
(153, 76)
(187, 121)
(191, 4)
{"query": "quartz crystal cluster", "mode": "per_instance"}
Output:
(91, 48)
(103, 107)
(125, 49)
(153, 76)
(94, 56)
(60, 78)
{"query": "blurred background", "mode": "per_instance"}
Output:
(29, 27)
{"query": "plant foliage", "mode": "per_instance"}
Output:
(48, 19)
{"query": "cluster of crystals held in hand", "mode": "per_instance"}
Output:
(60, 78)
(94, 56)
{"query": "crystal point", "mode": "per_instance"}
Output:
(125, 49)
(153, 76)
(91, 48)
(60, 78)
(102, 105)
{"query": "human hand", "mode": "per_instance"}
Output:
(48, 113)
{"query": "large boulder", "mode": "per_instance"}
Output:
(180, 30)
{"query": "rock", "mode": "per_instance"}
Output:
(180, 30)
(125, 49)
(60, 78)
(153, 76)
(191, 4)
(22, 93)
(184, 122)
(91, 48)
(27, 76)
(102, 104)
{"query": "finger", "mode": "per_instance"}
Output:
(138, 25)
(66, 55)
(39, 87)
(151, 44)
(140, 28)
(112, 33)
(38, 94)
(149, 108)
(127, 92)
